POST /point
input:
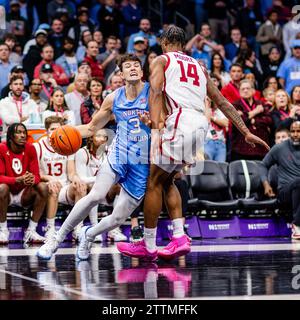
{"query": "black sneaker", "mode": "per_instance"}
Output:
(137, 234)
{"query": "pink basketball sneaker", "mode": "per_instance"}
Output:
(137, 250)
(176, 248)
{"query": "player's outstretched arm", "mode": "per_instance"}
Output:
(156, 99)
(231, 113)
(99, 119)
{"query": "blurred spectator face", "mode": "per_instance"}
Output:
(17, 87)
(81, 82)
(15, 8)
(11, 43)
(250, 77)
(98, 36)
(281, 99)
(296, 95)
(270, 96)
(83, 16)
(205, 31)
(246, 91)
(151, 57)
(216, 81)
(272, 83)
(217, 62)
(250, 3)
(57, 26)
(274, 55)
(48, 53)
(281, 136)
(68, 46)
(41, 39)
(86, 36)
(4, 52)
(99, 138)
(236, 35)
(244, 44)
(85, 68)
(273, 17)
(296, 52)
(145, 25)
(46, 76)
(111, 44)
(57, 98)
(116, 82)
(139, 46)
(96, 88)
(236, 73)
(92, 49)
(36, 86)
(110, 3)
(295, 132)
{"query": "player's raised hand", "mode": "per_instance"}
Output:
(145, 118)
(253, 140)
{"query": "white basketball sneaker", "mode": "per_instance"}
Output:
(49, 248)
(31, 236)
(84, 246)
(4, 236)
(50, 232)
(116, 235)
(98, 238)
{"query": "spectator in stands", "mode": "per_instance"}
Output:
(209, 43)
(232, 47)
(116, 81)
(32, 42)
(20, 182)
(108, 58)
(59, 172)
(57, 107)
(231, 90)
(271, 64)
(110, 19)
(288, 73)
(75, 98)
(281, 135)
(33, 57)
(145, 32)
(86, 37)
(93, 103)
(132, 15)
(269, 34)
(11, 41)
(83, 67)
(218, 68)
(29, 12)
(35, 89)
(149, 58)
(55, 7)
(272, 82)
(251, 77)
(295, 96)
(81, 25)
(5, 65)
(98, 36)
(140, 48)
(48, 81)
(269, 96)
(56, 37)
(68, 60)
(290, 31)
(17, 107)
(257, 120)
(285, 155)
(283, 115)
(58, 72)
(17, 24)
(217, 18)
(215, 146)
(195, 47)
(16, 70)
(283, 11)
(91, 57)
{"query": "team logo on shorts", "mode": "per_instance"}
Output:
(17, 166)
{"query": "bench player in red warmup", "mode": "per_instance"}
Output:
(179, 85)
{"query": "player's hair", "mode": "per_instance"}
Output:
(127, 57)
(15, 77)
(53, 119)
(11, 130)
(173, 35)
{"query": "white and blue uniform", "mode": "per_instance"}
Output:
(129, 152)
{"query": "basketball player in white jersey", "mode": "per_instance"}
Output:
(59, 172)
(179, 85)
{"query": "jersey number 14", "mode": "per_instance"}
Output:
(190, 73)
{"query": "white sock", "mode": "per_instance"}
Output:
(3, 225)
(178, 230)
(51, 222)
(150, 238)
(32, 225)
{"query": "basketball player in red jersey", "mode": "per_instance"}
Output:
(179, 85)
(20, 182)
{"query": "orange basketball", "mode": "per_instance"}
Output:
(66, 140)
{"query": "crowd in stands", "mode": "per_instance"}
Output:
(58, 63)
